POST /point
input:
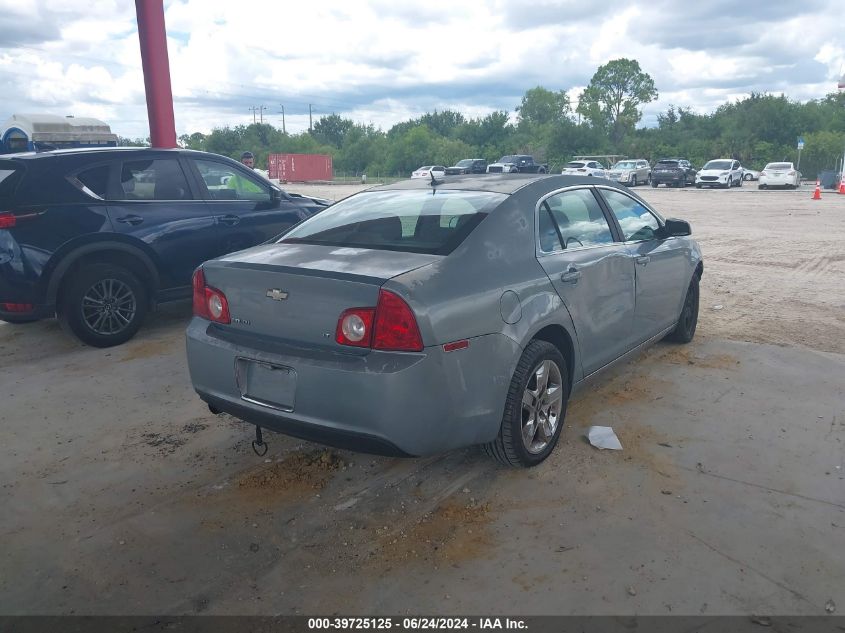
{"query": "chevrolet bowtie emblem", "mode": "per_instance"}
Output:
(277, 295)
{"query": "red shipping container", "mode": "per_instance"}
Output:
(300, 167)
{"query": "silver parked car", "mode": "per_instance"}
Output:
(631, 172)
(415, 318)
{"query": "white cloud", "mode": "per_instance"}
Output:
(382, 62)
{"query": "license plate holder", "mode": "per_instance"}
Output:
(266, 384)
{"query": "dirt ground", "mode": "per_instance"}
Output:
(122, 494)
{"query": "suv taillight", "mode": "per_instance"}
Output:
(209, 303)
(7, 220)
(390, 326)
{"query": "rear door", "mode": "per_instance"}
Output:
(662, 265)
(151, 200)
(591, 271)
(243, 204)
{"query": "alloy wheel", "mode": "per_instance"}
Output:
(542, 402)
(109, 306)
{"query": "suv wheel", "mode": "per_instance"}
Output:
(535, 408)
(103, 305)
(634, 180)
(654, 183)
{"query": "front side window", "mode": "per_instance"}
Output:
(224, 182)
(160, 179)
(411, 221)
(637, 222)
(578, 218)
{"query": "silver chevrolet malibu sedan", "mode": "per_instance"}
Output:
(419, 317)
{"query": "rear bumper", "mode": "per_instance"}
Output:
(382, 402)
(662, 177)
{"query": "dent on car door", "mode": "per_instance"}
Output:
(243, 205)
(662, 266)
(151, 200)
(590, 270)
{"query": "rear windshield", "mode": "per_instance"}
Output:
(10, 176)
(667, 163)
(413, 221)
(779, 166)
(575, 165)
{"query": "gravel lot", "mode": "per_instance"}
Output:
(122, 494)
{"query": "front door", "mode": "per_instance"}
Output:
(591, 271)
(661, 266)
(243, 205)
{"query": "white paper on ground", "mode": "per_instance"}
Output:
(603, 437)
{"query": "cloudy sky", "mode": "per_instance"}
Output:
(384, 61)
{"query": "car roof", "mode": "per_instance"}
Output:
(497, 183)
(84, 151)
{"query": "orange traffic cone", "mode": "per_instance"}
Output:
(842, 185)
(817, 194)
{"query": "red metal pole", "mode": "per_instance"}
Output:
(153, 38)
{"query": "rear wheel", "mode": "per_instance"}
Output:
(654, 184)
(103, 305)
(747, 177)
(687, 322)
(761, 186)
(535, 408)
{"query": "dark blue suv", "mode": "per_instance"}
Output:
(97, 237)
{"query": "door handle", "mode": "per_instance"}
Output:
(571, 276)
(643, 260)
(229, 220)
(130, 219)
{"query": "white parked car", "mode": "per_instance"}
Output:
(426, 171)
(722, 172)
(779, 175)
(585, 168)
(631, 172)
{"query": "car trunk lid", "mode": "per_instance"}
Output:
(296, 292)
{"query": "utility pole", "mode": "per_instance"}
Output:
(283, 118)
(310, 125)
(254, 109)
(261, 113)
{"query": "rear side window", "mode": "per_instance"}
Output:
(414, 221)
(10, 176)
(95, 179)
(578, 218)
(161, 179)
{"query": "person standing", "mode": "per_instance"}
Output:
(244, 186)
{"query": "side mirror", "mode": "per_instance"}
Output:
(676, 228)
(276, 194)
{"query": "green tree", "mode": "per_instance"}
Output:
(332, 129)
(612, 99)
(540, 106)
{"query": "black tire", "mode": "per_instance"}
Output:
(685, 328)
(761, 186)
(747, 177)
(730, 183)
(739, 182)
(698, 185)
(509, 448)
(634, 180)
(654, 184)
(125, 301)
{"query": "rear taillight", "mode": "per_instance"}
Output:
(7, 220)
(355, 327)
(209, 303)
(390, 326)
(17, 307)
(792, 173)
